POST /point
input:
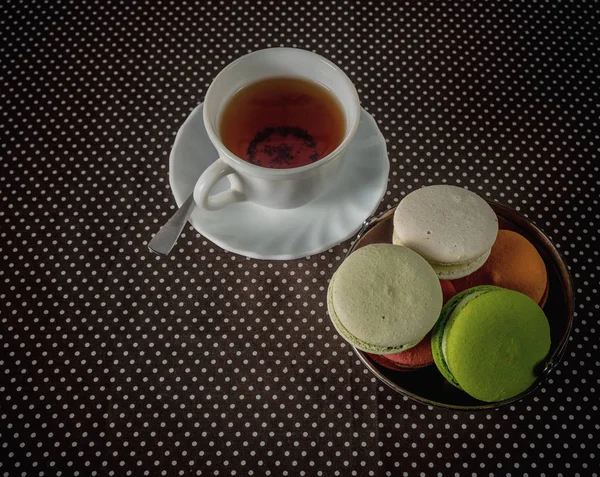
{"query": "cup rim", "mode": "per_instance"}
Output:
(254, 170)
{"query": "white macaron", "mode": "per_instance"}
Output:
(450, 227)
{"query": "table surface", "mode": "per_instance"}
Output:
(115, 361)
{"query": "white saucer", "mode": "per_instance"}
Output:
(260, 232)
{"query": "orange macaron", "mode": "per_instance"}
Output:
(514, 263)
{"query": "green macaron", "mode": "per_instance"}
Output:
(384, 299)
(488, 342)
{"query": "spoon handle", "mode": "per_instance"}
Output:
(165, 238)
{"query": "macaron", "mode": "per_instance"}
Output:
(489, 341)
(384, 299)
(419, 356)
(451, 227)
(514, 263)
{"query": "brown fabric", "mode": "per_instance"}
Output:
(118, 362)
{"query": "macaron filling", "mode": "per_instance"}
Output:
(454, 271)
(481, 258)
(451, 271)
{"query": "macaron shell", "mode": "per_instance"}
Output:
(384, 298)
(417, 357)
(437, 334)
(514, 263)
(354, 341)
(494, 345)
(445, 224)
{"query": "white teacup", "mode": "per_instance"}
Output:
(276, 188)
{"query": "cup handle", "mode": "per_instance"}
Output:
(213, 174)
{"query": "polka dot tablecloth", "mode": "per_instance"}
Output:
(118, 362)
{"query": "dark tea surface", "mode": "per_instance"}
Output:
(282, 123)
